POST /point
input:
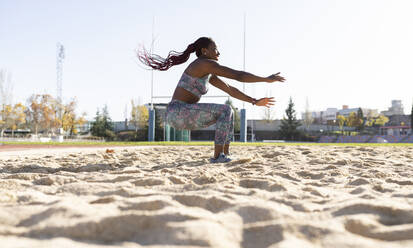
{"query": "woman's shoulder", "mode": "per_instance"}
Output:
(199, 67)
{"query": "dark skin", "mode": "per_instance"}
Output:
(207, 64)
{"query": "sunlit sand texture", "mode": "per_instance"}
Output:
(270, 196)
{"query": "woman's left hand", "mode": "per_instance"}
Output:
(275, 77)
(266, 102)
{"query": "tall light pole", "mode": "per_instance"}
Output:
(60, 55)
(243, 126)
(152, 48)
(243, 60)
(151, 129)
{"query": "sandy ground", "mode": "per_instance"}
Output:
(279, 196)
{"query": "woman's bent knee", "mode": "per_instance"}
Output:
(227, 110)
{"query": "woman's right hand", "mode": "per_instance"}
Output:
(275, 77)
(266, 102)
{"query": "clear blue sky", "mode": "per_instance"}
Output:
(353, 52)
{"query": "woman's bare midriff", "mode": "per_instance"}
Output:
(192, 70)
(182, 94)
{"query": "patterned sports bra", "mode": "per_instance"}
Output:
(197, 86)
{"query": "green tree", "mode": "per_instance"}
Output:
(360, 119)
(139, 116)
(237, 121)
(103, 125)
(33, 113)
(6, 114)
(18, 117)
(341, 120)
(40, 113)
(70, 120)
(97, 128)
(353, 120)
(289, 124)
(381, 120)
(378, 121)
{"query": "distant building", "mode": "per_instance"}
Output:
(399, 120)
(330, 114)
(123, 126)
(395, 130)
(395, 109)
(346, 111)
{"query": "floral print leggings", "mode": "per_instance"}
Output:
(182, 115)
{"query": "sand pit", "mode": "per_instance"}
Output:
(271, 196)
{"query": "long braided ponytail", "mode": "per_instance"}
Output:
(174, 58)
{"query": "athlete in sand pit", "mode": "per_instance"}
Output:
(184, 111)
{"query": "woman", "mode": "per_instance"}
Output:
(184, 111)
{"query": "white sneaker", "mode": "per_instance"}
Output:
(222, 158)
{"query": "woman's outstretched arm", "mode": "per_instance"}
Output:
(216, 69)
(234, 92)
